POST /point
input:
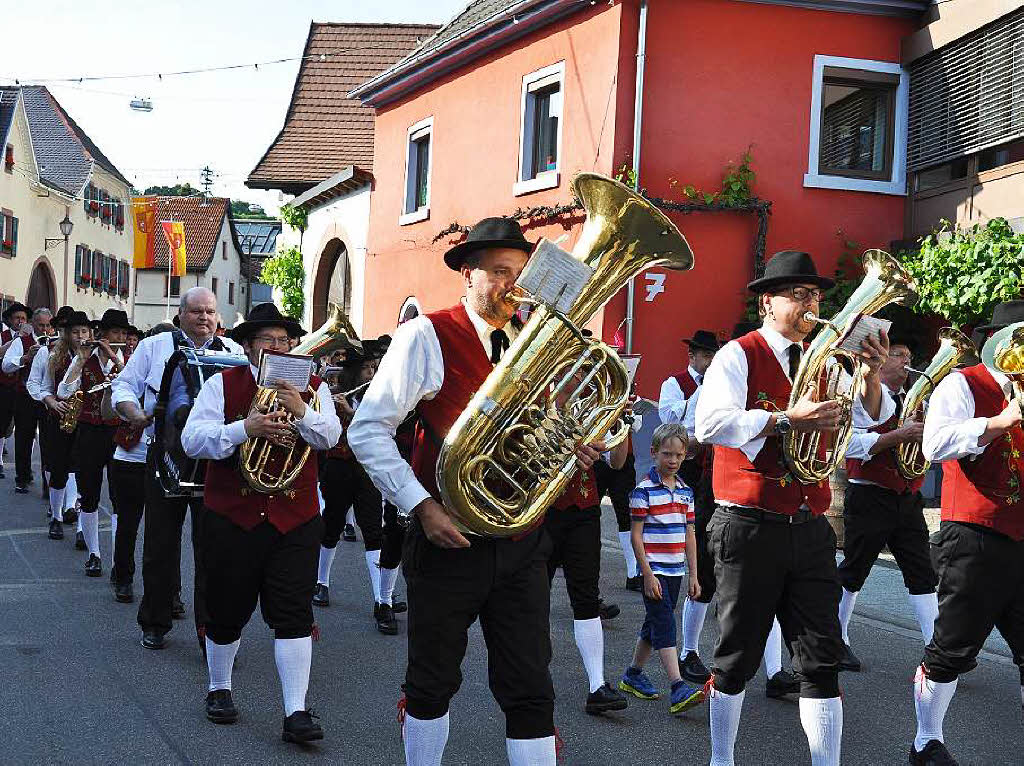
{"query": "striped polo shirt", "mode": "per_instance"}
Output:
(665, 513)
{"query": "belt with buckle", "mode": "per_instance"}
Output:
(773, 517)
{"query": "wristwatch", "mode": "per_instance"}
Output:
(782, 424)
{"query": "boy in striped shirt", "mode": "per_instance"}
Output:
(661, 507)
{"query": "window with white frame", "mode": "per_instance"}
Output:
(858, 129)
(416, 206)
(540, 137)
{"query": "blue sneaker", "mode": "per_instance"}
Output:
(638, 684)
(685, 696)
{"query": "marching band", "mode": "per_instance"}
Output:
(187, 421)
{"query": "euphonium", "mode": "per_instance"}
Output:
(268, 467)
(953, 347)
(510, 454)
(1004, 351)
(822, 366)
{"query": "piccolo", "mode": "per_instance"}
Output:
(95, 343)
(355, 390)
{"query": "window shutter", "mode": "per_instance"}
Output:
(78, 264)
(968, 95)
(14, 237)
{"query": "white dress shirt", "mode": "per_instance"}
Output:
(722, 414)
(411, 370)
(140, 381)
(862, 440)
(208, 437)
(12, 357)
(73, 377)
(39, 382)
(950, 429)
(674, 407)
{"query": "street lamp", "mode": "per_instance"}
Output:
(65, 229)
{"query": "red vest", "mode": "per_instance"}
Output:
(341, 450)
(766, 483)
(701, 453)
(581, 493)
(92, 375)
(881, 468)
(21, 375)
(226, 491)
(686, 383)
(987, 490)
(466, 366)
(7, 380)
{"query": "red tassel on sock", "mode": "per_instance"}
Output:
(559, 745)
(709, 687)
(402, 703)
(315, 632)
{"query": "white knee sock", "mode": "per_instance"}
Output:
(113, 530)
(78, 524)
(531, 752)
(57, 503)
(71, 492)
(626, 543)
(590, 641)
(931, 699)
(91, 530)
(725, 723)
(694, 613)
(387, 584)
(822, 720)
(46, 475)
(323, 575)
(320, 499)
(926, 607)
(372, 559)
(773, 650)
(424, 740)
(3, 441)
(846, 612)
(220, 659)
(350, 517)
(293, 657)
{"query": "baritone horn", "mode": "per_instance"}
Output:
(812, 456)
(1004, 351)
(954, 346)
(511, 452)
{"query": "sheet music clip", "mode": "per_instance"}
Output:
(553, 277)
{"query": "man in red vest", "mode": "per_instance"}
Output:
(260, 547)
(774, 551)
(973, 428)
(28, 414)
(14, 316)
(883, 508)
(435, 364)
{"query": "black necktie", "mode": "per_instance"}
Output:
(699, 379)
(499, 342)
(794, 360)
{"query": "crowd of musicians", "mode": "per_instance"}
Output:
(719, 514)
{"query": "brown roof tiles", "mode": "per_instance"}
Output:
(203, 220)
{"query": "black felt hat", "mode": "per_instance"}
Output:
(265, 315)
(76, 319)
(16, 307)
(114, 319)
(133, 330)
(490, 232)
(61, 316)
(789, 267)
(703, 340)
(742, 328)
(1004, 314)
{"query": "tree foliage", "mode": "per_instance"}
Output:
(295, 217)
(241, 209)
(285, 272)
(178, 190)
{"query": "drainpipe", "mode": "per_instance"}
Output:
(638, 116)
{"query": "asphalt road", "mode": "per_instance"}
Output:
(78, 688)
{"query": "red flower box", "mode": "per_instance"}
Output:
(8, 244)
(94, 206)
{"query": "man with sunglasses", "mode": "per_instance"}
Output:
(774, 551)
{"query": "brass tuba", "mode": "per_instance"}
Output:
(1004, 351)
(823, 362)
(953, 347)
(268, 467)
(511, 452)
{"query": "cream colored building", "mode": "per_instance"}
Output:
(52, 169)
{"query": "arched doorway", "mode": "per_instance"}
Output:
(332, 282)
(42, 289)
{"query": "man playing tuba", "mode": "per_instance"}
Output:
(774, 552)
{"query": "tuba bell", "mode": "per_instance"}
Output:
(1004, 351)
(812, 456)
(511, 452)
(269, 467)
(954, 346)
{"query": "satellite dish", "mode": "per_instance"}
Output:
(141, 105)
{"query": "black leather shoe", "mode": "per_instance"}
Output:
(70, 516)
(322, 595)
(220, 708)
(849, 662)
(93, 567)
(385, 617)
(398, 607)
(56, 531)
(349, 534)
(177, 608)
(153, 639)
(781, 684)
(693, 670)
(604, 699)
(635, 583)
(608, 611)
(80, 542)
(124, 593)
(21, 489)
(933, 754)
(300, 727)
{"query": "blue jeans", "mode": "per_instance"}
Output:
(659, 628)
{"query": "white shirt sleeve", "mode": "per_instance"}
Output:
(12, 357)
(205, 434)
(130, 384)
(722, 416)
(72, 379)
(950, 429)
(860, 446)
(320, 430)
(411, 370)
(671, 402)
(861, 418)
(39, 383)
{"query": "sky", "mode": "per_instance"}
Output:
(225, 120)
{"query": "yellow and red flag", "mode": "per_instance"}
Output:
(144, 214)
(174, 233)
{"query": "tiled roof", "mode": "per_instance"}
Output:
(8, 103)
(64, 153)
(203, 219)
(470, 16)
(324, 130)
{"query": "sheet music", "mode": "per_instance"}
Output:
(632, 363)
(553, 276)
(289, 368)
(861, 328)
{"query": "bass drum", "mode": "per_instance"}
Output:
(184, 374)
